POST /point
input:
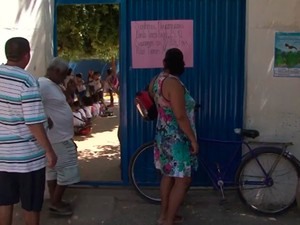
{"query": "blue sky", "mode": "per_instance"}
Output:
(287, 38)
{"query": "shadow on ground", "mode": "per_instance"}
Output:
(99, 153)
(102, 124)
(108, 152)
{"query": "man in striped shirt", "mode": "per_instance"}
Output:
(23, 140)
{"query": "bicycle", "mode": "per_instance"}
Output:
(266, 178)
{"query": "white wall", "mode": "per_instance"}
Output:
(32, 19)
(273, 103)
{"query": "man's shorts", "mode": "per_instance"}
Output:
(27, 187)
(66, 170)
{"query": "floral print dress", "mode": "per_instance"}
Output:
(172, 151)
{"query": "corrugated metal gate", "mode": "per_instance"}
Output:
(216, 80)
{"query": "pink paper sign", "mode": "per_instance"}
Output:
(151, 39)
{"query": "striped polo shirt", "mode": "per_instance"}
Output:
(20, 105)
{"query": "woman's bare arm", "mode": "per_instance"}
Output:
(173, 91)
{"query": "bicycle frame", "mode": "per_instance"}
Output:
(261, 167)
(217, 178)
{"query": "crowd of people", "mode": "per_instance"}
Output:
(37, 125)
(37, 120)
(86, 98)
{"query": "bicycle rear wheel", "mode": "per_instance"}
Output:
(143, 175)
(270, 193)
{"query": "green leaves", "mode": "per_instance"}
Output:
(88, 31)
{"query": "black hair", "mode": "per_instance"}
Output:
(109, 71)
(174, 62)
(87, 101)
(76, 104)
(95, 98)
(16, 48)
(70, 71)
(79, 75)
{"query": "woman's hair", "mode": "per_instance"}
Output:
(173, 61)
(79, 75)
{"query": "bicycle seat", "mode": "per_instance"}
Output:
(250, 133)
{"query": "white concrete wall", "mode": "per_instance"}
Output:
(32, 19)
(272, 103)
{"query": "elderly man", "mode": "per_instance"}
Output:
(23, 140)
(60, 134)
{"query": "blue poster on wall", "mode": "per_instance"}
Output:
(287, 54)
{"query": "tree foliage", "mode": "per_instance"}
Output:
(88, 31)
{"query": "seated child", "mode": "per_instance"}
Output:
(80, 86)
(96, 105)
(87, 104)
(81, 127)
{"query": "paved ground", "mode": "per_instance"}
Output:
(121, 206)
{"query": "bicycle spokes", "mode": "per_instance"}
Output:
(270, 185)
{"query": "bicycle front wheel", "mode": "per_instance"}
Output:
(143, 175)
(270, 190)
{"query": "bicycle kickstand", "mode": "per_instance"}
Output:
(220, 183)
(223, 200)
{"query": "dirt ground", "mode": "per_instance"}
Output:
(99, 153)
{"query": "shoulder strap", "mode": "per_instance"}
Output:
(160, 88)
(78, 118)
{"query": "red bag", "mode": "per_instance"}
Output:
(145, 105)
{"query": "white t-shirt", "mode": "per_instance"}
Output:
(96, 109)
(88, 111)
(82, 112)
(81, 88)
(78, 120)
(97, 85)
(58, 109)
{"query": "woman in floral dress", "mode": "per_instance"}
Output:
(176, 143)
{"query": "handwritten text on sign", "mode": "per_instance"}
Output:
(151, 39)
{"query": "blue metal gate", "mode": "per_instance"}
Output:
(216, 81)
